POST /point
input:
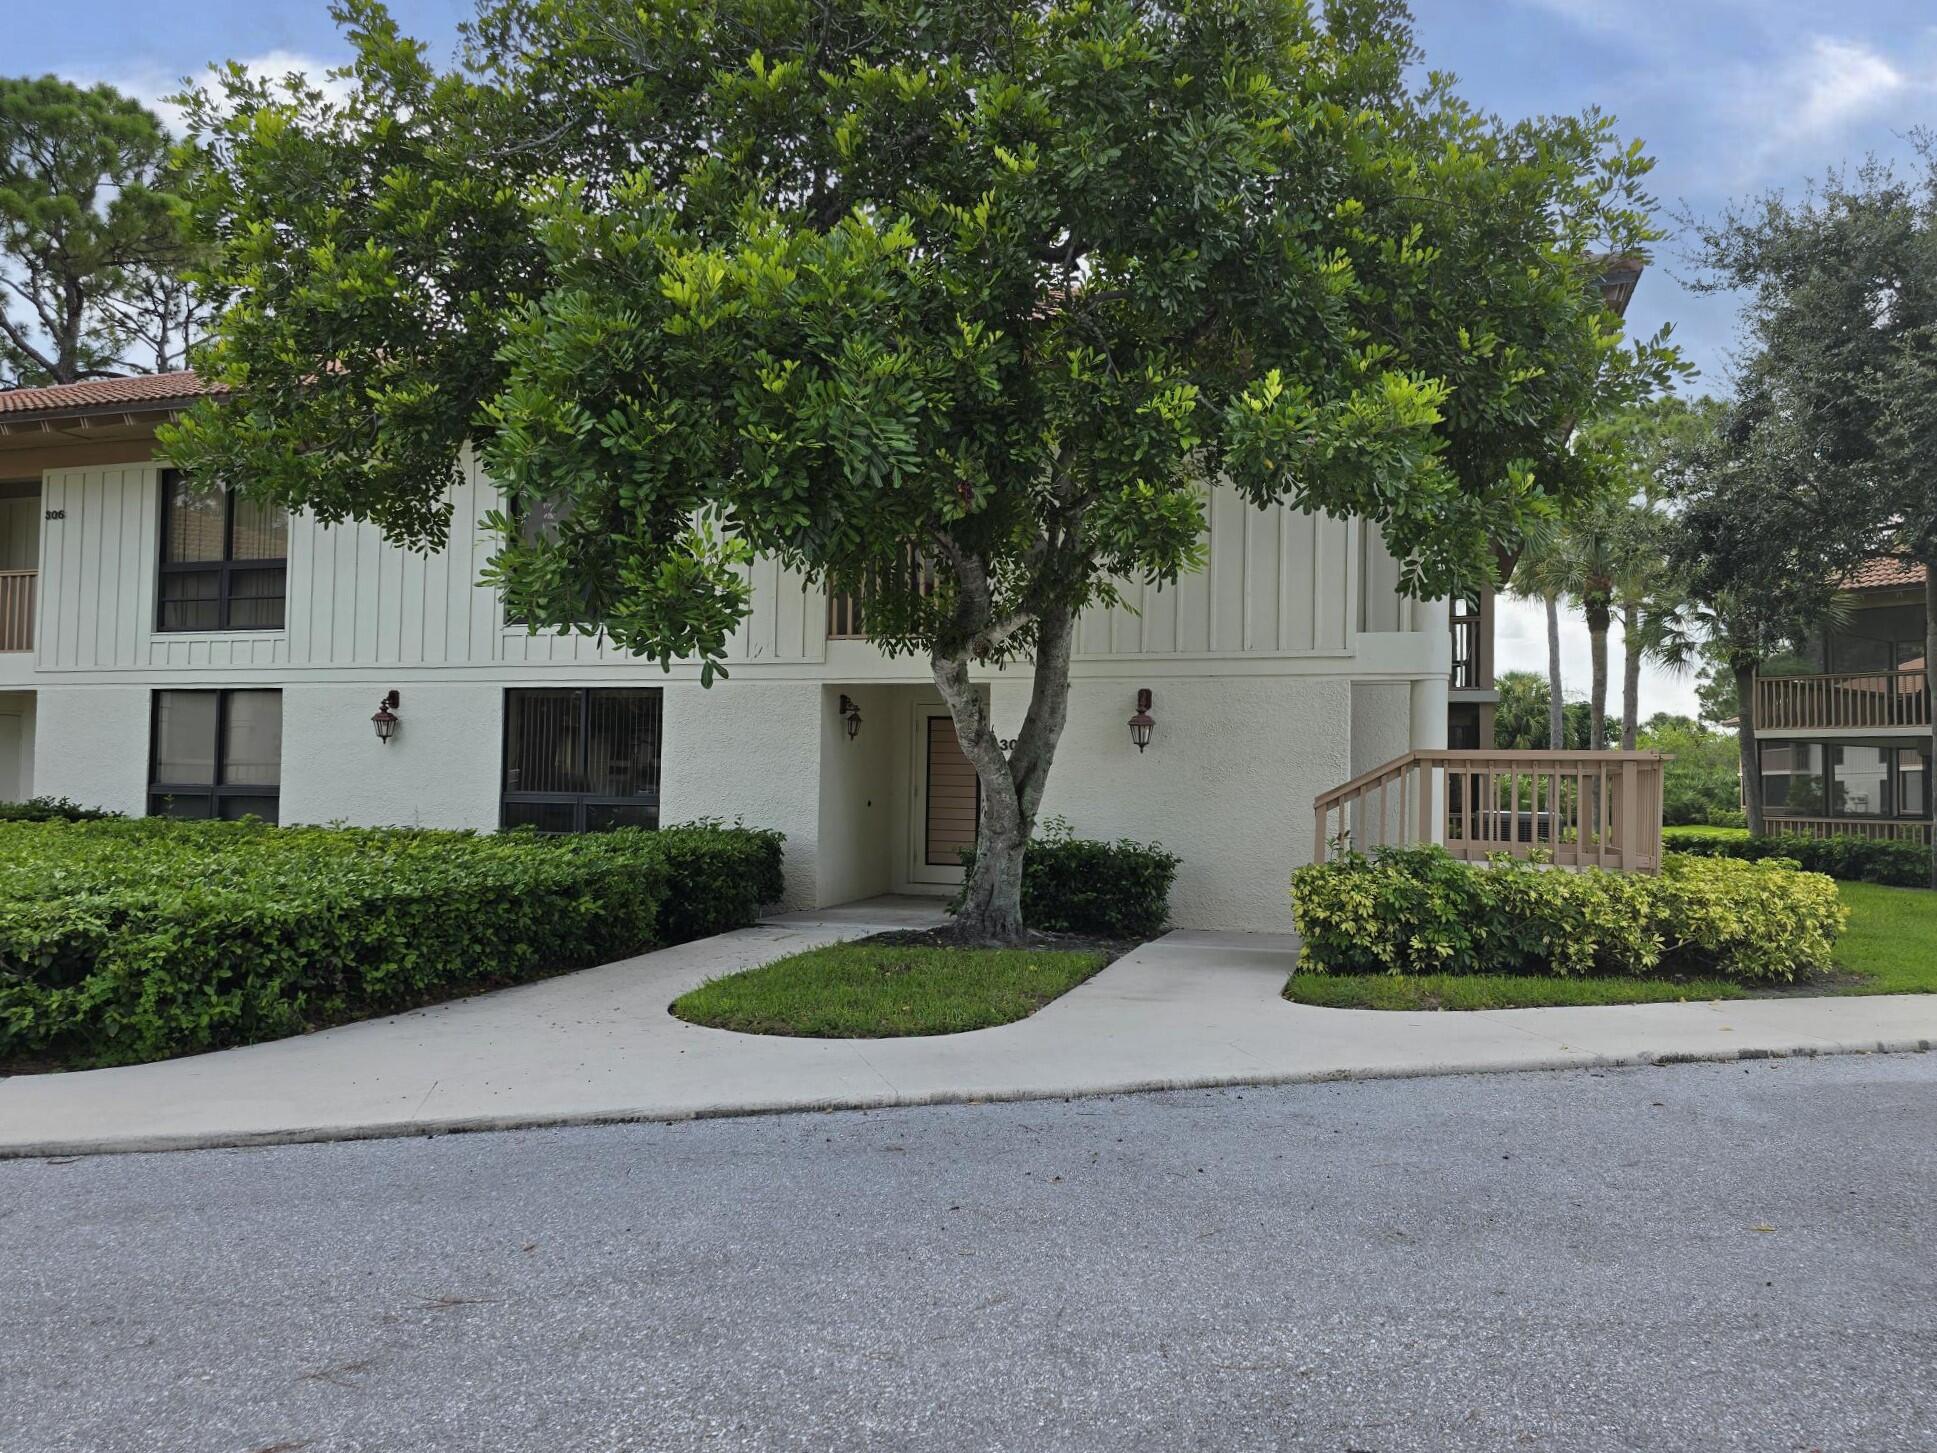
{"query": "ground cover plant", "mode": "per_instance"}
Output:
(873, 990)
(124, 941)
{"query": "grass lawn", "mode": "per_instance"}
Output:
(880, 991)
(1890, 947)
(1669, 834)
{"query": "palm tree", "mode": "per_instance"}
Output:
(1543, 573)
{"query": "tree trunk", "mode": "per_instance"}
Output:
(1751, 767)
(1012, 782)
(1556, 714)
(1930, 661)
(1597, 624)
(1630, 677)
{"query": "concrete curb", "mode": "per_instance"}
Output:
(471, 1125)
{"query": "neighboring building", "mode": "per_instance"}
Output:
(164, 654)
(1843, 731)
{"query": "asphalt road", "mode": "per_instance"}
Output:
(1705, 1257)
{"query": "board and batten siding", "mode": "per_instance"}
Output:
(352, 599)
(1275, 583)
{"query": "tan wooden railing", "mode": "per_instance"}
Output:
(846, 610)
(1581, 809)
(1905, 830)
(17, 609)
(1848, 699)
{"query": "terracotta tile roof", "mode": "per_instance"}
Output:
(100, 393)
(1886, 572)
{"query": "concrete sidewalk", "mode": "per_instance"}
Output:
(1188, 1010)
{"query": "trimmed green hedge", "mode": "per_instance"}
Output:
(1854, 859)
(1079, 885)
(719, 877)
(1421, 911)
(125, 941)
(51, 809)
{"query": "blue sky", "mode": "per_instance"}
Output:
(1733, 97)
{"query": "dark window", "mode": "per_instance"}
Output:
(215, 754)
(1792, 778)
(1845, 780)
(581, 760)
(224, 561)
(1860, 781)
(1912, 763)
(1860, 778)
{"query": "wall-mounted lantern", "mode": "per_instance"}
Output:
(1141, 725)
(385, 721)
(851, 714)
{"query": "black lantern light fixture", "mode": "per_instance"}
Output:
(851, 714)
(1141, 725)
(385, 721)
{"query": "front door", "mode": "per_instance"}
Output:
(947, 800)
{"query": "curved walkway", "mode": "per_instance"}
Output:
(1187, 1010)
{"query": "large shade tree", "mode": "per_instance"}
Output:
(93, 256)
(1840, 376)
(1756, 566)
(999, 288)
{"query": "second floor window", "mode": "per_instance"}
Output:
(224, 561)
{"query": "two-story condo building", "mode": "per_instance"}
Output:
(1843, 734)
(162, 652)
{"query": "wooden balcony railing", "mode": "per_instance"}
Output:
(1581, 809)
(17, 609)
(1850, 700)
(846, 610)
(1887, 828)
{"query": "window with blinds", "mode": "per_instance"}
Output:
(224, 561)
(581, 760)
(215, 754)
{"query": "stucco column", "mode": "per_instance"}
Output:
(1429, 696)
(1433, 618)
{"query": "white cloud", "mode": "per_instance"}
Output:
(152, 85)
(1806, 107)
(1839, 82)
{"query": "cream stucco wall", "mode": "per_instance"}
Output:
(1381, 723)
(441, 769)
(1227, 782)
(91, 744)
(16, 745)
(861, 806)
(750, 750)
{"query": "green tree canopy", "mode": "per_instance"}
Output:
(92, 253)
(1702, 783)
(1836, 420)
(1001, 287)
(1753, 560)
(1520, 720)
